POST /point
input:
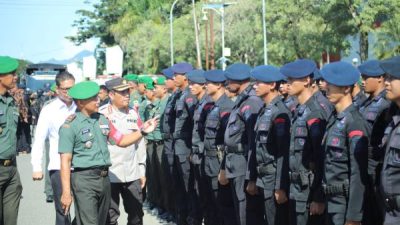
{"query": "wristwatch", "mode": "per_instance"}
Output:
(144, 133)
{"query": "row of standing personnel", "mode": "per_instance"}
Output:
(271, 157)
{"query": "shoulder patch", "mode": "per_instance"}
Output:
(245, 108)
(189, 100)
(356, 133)
(279, 120)
(70, 118)
(312, 121)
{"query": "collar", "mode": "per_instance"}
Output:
(82, 117)
(276, 100)
(344, 113)
(381, 94)
(61, 104)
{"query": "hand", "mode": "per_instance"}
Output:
(66, 201)
(349, 222)
(37, 176)
(222, 178)
(142, 182)
(150, 125)
(317, 208)
(252, 188)
(280, 196)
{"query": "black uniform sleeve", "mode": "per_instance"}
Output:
(358, 157)
(316, 126)
(281, 129)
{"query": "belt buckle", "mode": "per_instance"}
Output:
(7, 162)
(103, 173)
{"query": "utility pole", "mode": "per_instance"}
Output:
(212, 41)
(171, 31)
(196, 32)
(206, 41)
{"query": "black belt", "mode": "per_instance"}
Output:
(238, 149)
(392, 202)
(159, 142)
(305, 178)
(99, 171)
(337, 189)
(267, 169)
(7, 162)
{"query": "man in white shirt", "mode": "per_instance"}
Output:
(127, 173)
(51, 117)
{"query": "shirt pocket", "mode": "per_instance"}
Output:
(300, 137)
(212, 124)
(337, 149)
(263, 130)
(87, 138)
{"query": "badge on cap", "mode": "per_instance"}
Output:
(88, 144)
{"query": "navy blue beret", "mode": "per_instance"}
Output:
(168, 73)
(238, 72)
(371, 68)
(299, 68)
(317, 75)
(340, 74)
(196, 76)
(215, 76)
(266, 74)
(392, 66)
(182, 68)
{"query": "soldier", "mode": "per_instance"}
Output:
(134, 96)
(127, 173)
(197, 89)
(83, 146)
(375, 111)
(161, 93)
(345, 144)
(306, 154)
(167, 127)
(182, 135)
(390, 180)
(239, 141)
(10, 183)
(52, 116)
(218, 204)
(272, 147)
(290, 101)
(143, 102)
(320, 96)
(359, 97)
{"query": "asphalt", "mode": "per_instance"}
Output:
(34, 210)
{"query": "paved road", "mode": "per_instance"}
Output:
(33, 208)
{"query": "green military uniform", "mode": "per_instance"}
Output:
(143, 102)
(10, 184)
(134, 97)
(86, 139)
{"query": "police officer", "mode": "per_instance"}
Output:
(167, 126)
(11, 187)
(306, 154)
(83, 146)
(272, 146)
(239, 141)
(375, 111)
(358, 94)
(345, 144)
(390, 179)
(182, 135)
(319, 95)
(127, 173)
(218, 201)
(197, 89)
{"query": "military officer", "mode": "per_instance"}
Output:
(218, 201)
(358, 94)
(83, 146)
(306, 154)
(182, 135)
(345, 144)
(134, 96)
(272, 148)
(390, 178)
(167, 127)
(290, 101)
(239, 141)
(127, 172)
(375, 111)
(11, 187)
(142, 82)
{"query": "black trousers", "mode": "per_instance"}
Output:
(275, 214)
(24, 139)
(131, 194)
(55, 178)
(167, 179)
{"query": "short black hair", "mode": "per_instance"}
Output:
(103, 87)
(62, 76)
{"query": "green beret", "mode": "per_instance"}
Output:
(131, 77)
(8, 64)
(53, 87)
(160, 81)
(84, 90)
(144, 80)
(149, 86)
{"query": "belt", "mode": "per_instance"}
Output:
(238, 149)
(7, 162)
(392, 202)
(99, 171)
(336, 189)
(305, 178)
(167, 136)
(159, 142)
(267, 169)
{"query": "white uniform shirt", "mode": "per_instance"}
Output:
(51, 117)
(128, 164)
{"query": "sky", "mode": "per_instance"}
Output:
(35, 30)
